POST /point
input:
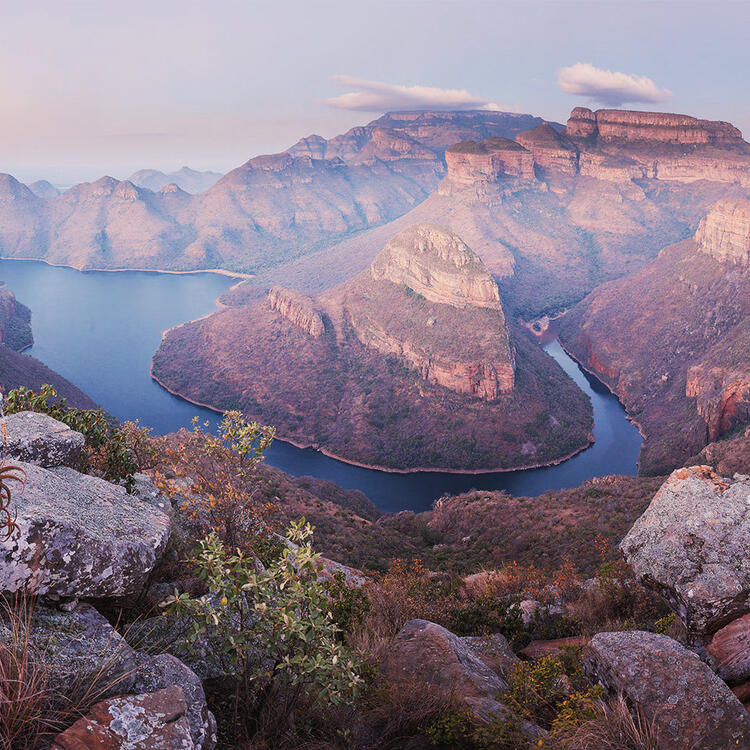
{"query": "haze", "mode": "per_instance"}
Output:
(94, 88)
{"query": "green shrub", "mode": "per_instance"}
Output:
(487, 615)
(348, 605)
(461, 730)
(274, 629)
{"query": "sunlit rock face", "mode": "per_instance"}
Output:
(725, 232)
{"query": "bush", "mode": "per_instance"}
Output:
(274, 628)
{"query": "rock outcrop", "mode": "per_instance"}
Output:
(728, 654)
(725, 232)
(79, 536)
(662, 127)
(297, 308)
(15, 327)
(691, 546)
(39, 439)
(149, 721)
(470, 162)
(551, 149)
(688, 704)
(437, 264)
(722, 397)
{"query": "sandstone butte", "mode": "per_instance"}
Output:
(673, 339)
(410, 364)
(556, 211)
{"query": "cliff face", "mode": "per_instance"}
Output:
(417, 366)
(15, 321)
(438, 265)
(420, 304)
(550, 149)
(725, 232)
(673, 339)
(297, 308)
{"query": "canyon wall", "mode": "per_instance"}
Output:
(725, 232)
(297, 308)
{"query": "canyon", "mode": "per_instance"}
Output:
(410, 364)
(672, 339)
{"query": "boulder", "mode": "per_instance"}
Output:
(79, 536)
(494, 650)
(729, 651)
(150, 721)
(691, 545)
(671, 687)
(39, 439)
(87, 656)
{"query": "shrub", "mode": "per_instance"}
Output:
(348, 605)
(487, 615)
(216, 476)
(274, 628)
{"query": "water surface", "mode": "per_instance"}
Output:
(100, 330)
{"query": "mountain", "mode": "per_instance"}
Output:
(410, 364)
(20, 369)
(269, 210)
(44, 189)
(672, 339)
(189, 180)
(553, 214)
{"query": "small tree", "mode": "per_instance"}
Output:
(273, 628)
(215, 475)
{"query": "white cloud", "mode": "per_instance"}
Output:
(608, 87)
(373, 96)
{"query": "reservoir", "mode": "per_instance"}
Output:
(100, 329)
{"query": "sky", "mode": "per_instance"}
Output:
(93, 88)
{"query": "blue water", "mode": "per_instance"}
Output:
(101, 329)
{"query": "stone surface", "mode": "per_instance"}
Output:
(722, 396)
(39, 439)
(424, 652)
(471, 163)
(79, 536)
(691, 545)
(494, 650)
(724, 232)
(149, 721)
(729, 651)
(689, 705)
(297, 308)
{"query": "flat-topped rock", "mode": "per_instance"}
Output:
(297, 308)
(471, 162)
(79, 536)
(439, 265)
(40, 439)
(724, 232)
(691, 545)
(671, 687)
(550, 149)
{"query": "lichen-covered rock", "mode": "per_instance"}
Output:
(150, 721)
(79, 536)
(691, 545)
(40, 439)
(688, 704)
(494, 650)
(729, 651)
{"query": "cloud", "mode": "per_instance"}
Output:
(373, 96)
(607, 87)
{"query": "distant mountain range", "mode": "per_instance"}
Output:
(189, 180)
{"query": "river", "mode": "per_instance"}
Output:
(100, 329)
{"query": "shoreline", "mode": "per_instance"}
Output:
(375, 467)
(219, 271)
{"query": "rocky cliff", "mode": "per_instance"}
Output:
(297, 308)
(416, 348)
(725, 232)
(15, 321)
(673, 338)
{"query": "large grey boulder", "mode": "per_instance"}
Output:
(40, 439)
(79, 537)
(85, 655)
(690, 706)
(691, 545)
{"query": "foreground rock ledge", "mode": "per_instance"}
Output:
(79, 537)
(40, 439)
(691, 545)
(689, 705)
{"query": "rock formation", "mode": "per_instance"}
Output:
(550, 149)
(41, 440)
(471, 163)
(422, 328)
(672, 339)
(297, 308)
(691, 546)
(685, 701)
(725, 232)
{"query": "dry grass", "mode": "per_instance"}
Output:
(616, 728)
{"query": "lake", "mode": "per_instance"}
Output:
(100, 329)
